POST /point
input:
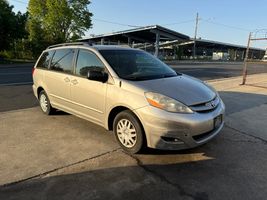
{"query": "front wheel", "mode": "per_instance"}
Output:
(128, 132)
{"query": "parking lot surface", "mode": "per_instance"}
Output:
(64, 157)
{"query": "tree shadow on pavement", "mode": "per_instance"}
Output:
(238, 101)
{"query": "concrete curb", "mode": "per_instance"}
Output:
(227, 83)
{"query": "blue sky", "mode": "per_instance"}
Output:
(225, 20)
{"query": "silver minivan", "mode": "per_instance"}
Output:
(130, 92)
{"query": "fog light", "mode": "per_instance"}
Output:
(172, 140)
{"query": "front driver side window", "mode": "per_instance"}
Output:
(87, 60)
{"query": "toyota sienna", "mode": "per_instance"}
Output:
(130, 92)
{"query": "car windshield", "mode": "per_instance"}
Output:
(136, 65)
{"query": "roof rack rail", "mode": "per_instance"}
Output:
(70, 44)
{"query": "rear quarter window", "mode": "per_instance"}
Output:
(62, 60)
(45, 59)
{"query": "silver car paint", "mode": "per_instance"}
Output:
(182, 88)
(157, 123)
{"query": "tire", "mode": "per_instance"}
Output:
(129, 132)
(45, 103)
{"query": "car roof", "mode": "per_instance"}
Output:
(87, 45)
(110, 47)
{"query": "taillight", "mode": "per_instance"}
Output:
(33, 69)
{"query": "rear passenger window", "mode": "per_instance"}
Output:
(87, 60)
(62, 60)
(45, 60)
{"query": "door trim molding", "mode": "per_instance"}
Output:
(78, 104)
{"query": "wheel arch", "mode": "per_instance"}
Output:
(39, 89)
(113, 113)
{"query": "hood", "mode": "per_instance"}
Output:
(187, 90)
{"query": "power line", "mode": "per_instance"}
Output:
(117, 23)
(136, 26)
(225, 25)
(182, 22)
(169, 24)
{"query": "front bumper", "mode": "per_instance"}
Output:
(175, 131)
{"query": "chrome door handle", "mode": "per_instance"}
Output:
(74, 82)
(66, 79)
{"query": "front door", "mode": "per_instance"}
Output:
(88, 96)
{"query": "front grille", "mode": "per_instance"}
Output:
(206, 106)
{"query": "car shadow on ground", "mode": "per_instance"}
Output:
(60, 112)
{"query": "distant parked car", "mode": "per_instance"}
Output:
(264, 59)
(129, 91)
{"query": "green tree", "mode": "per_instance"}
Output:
(20, 26)
(12, 31)
(7, 24)
(56, 21)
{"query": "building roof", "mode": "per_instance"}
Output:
(147, 34)
(140, 35)
(211, 43)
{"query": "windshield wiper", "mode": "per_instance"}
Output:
(171, 75)
(137, 78)
(142, 78)
(168, 75)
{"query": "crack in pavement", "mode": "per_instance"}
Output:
(162, 178)
(247, 134)
(56, 169)
(241, 141)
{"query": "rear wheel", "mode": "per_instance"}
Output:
(128, 131)
(45, 103)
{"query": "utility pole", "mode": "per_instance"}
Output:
(246, 60)
(195, 37)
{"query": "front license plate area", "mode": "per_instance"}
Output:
(217, 121)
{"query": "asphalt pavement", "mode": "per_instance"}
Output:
(16, 74)
(210, 71)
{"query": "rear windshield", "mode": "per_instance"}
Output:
(136, 65)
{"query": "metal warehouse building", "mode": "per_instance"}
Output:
(169, 44)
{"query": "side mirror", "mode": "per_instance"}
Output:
(96, 75)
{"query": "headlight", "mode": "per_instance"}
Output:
(166, 103)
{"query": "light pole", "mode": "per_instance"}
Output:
(195, 37)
